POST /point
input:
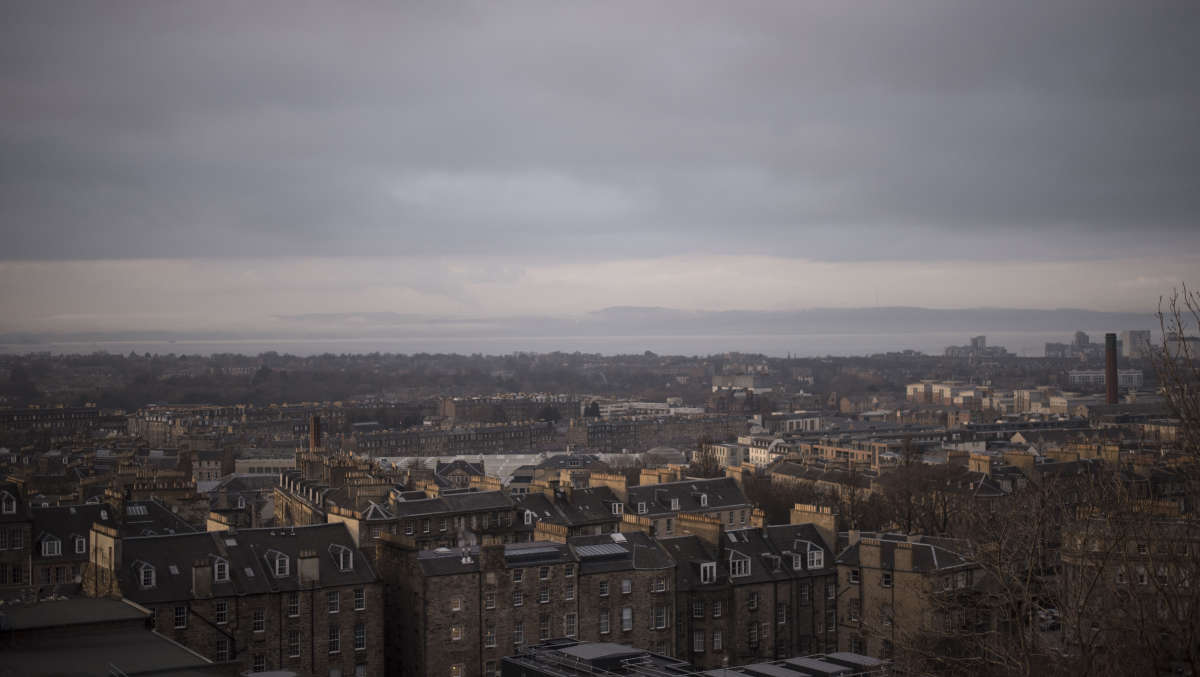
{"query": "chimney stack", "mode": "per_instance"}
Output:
(202, 574)
(1110, 367)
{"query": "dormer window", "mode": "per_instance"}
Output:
(8, 503)
(343, 556)
(221, 570)
(641, 507)
(146, 576)
(674, 504)
(816, 559)
(617, 508)
(739, 565)
(241, 502)
(797, 562)
(704, 500)
(281, 564)
(51, 547)
(80, 545)
(708, 572)
(529, 516)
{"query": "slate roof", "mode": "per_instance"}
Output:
(619, 552)
(586, 507)
(928, 553)
(450, 504)
(451, 561)
(150, 518)
(65, 523)
(769, 551)
(722, 492)
(247, 551)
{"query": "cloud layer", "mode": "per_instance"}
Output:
(492, 148)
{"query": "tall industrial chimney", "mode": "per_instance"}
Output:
(1110, 367)
(314, 432)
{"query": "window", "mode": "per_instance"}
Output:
(886, 579)
(528, 517)
(544, 594)
(260, 663)
(738, 566)
(333, 602)
(831, 590)
(489, 635)
(830, 619)
(626, 618)
(752, 635)
(408, 528)
(641, 508)
(181, 614)
(797, 562)
(344, 557)
(455, 632)
(260, 620)
(885, 614)
(674, 504)
(360, 599)
(752, 601)
(603, 589)
(816, 559)
(293, 604)
(220, 570)
(518, 633)
(51, 547)
(618, 508)
(221, 610)
(660, 617)
(1142, 549)
(570, 591)
(282, 566)
(781, 613)
(717, 644)
(1142, 578)
(856, 644)
(960, 579)
(698, 641)
(543, 573)
(731, 518)
(716, 608)
(80, 545)
(704, 500)
(670, 528)
(568, 570)
(222, 651)
(8, 504)
(293, 643)
(855, 610)
(658, 585)
(518, 598)
(444, 525)
(805, 593)
(489, 669)
(489, 600)
(518, 575)
(570, 623)
(604, 627)
(456, 603)
(698, 609)
(708, 572)
(456, 670)
(544, 627)
(147, 576)
(626, 586)
(425, 524)
(335, 639)
(854, 575)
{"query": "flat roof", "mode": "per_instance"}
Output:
(80, 611)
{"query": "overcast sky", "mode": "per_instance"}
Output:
(180, 164)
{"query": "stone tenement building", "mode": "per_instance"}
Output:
(478, 439)
(745, 595)
(302, 599)
(658, 506)
(16, 527)
(646, 432)
(470, 607)
(888, 586)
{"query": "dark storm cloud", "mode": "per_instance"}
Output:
(822, 130)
